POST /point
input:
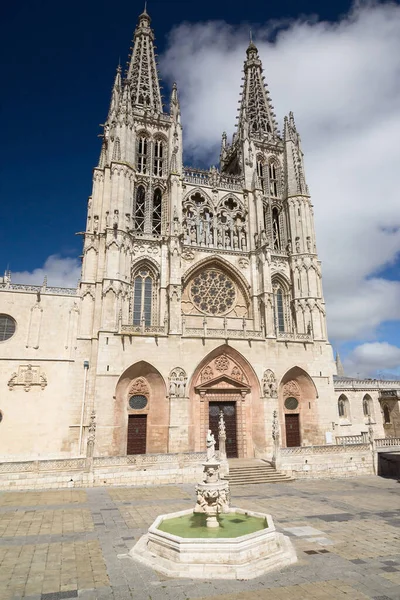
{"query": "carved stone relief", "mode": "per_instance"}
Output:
(177, 383)
(291, 388)
(27, 377)
(139, 386)
(270, 389)
(222, 365)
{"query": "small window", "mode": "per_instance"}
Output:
(157, 211)
(7, 327)
(343, 407)
(138, 402)
(367, 406)
(260, 174)
(139, 209)
(291, 403)
(386, 414)
(1, 416)
(158, 158)
(142, 155)
(276, 230)
(273, 179)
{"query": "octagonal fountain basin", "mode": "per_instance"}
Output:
(245, 545)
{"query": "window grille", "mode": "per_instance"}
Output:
(139, 209)
(157, 211)
(7, 327)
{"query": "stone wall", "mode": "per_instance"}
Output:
(314, 462)
(158, 469)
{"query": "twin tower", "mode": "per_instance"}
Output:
(150, 218)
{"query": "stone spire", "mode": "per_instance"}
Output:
(115, 96)
(296, 183)
(256, 113)
(174, 105)
(339, 366)
(142, 74)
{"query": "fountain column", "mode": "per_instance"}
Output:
(212, 493)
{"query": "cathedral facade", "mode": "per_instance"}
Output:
(200, 292)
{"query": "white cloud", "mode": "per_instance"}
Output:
(342, 81)
(60, 272)
(368, 359)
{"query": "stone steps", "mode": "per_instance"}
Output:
(245, 472)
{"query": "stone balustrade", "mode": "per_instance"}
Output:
(212, 178)
(352, 439)
(43, 289)
(388, 442)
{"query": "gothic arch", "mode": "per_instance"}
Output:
(233, 379)
(148, 262)
(224, 265)
(157, 409)
(240, 204)
(200, 191)
(160, 136)
(296, 383)
(144, 305)
(242, 304)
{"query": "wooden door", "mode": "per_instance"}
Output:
(229, 410)
(292, 423)
(137, 427)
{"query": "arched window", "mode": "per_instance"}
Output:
(343, 407)
(157, 211)
(260, 174)
(386, 414)
(279, 311)
(143, 297)
(142, 155)
(273, 179)
(281, 308)
(276, 234)
(367, 402)
(158, 158)
(139, 208)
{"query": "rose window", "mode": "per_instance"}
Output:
(213, 292)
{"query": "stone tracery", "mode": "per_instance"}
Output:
(223, 226)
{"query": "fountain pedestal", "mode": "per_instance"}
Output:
(213, 494)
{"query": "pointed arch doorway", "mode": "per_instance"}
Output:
(225, 381)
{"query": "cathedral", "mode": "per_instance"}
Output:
(201, 292)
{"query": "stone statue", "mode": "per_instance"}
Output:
(221, 436)
(210, 442)
(266, 389)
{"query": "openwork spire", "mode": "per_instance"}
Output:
(142, 73)
(115, 96)
(296, 182)
(256, 117)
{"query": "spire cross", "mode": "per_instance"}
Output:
(251, 36)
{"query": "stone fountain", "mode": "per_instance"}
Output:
(214, 540)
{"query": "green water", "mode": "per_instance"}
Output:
(231, 525)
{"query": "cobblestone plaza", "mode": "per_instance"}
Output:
(73, 543)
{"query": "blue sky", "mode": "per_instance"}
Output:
(59, 66)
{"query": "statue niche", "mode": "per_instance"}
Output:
(177, 383)
(223, 226)
(270, 388)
